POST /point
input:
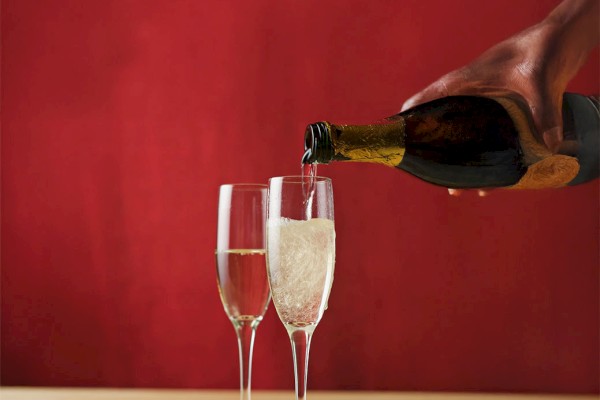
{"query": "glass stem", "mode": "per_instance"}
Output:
(245, 331)
(300, 339)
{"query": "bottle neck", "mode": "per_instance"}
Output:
(317, 144)
(379, 143)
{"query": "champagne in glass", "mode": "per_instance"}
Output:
(300, 260)
(241, 268)
(243, 285)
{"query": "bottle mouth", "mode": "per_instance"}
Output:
(317, 144)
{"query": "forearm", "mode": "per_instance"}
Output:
(574, 26)
(580, 21)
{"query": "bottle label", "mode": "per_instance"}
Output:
(552, 172)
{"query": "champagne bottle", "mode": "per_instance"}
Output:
(468, 142)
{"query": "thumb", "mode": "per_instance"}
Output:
(547, 118)
(434, 91)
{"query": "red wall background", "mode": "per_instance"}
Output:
(121, 118)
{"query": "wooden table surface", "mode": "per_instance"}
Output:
(31, 393)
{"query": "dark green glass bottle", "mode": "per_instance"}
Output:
(464, 142)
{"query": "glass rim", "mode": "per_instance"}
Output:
(247, 186)
(299, 178)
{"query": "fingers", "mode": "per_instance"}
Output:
(460, 81)
(414, 101)
(458, 192)
(434, 91)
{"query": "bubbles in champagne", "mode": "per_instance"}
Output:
(301, 258)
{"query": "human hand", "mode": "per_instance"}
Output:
(532, 68)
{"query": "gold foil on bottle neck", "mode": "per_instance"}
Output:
(380, 144)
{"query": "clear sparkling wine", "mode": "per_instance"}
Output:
(243, 283)
(301, 268)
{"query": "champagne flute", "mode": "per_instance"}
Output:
(241, 268)
(300, 259)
